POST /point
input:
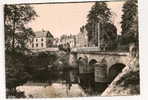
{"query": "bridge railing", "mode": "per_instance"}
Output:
(101, 49)
(52, 49)
(123, 48)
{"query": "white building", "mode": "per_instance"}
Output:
(67, 39)
(82, 39)
(56, 42)
(42, 40)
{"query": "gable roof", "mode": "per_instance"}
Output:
(43, 33)
(40, 34)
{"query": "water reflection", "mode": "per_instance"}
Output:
(66, 80)
(73, 84)
(53, 91)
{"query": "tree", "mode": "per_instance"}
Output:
(129, 23)
(17, 34)
(98, 9)
(108, 36)
(82, 29)
(102, 14)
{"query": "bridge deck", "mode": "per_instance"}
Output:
(46, 49)
(96, 50)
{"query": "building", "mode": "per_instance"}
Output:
(56, 42)
(67, 39)
(42, 40)
(82, 38)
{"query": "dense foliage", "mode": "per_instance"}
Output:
(108, 36)
(129, 22)
(98, 9)
(16, 74)
(16, 18)
(108, 32)
(39, 66)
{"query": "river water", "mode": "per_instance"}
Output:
(51, 91)
(76, 85)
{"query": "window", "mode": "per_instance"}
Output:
(37, 45)
(32, 45)
(42, 39)
(42, 44)
(36, 40)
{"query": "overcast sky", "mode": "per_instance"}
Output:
(69, 17)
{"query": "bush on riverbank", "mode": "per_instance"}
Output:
(16, 73)
(38, 66)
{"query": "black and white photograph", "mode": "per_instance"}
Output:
(72, 49)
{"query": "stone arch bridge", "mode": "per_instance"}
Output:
(115, 61)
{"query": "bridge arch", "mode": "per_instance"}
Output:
(92, 61)
(114, 70)
(91, 64)
(79, 58)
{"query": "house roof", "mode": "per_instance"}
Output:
(41, 34)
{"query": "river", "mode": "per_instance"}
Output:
(43, 90)
(76, 84)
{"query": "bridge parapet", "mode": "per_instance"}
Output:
(96, 50)
(81, 49)
(51, 49)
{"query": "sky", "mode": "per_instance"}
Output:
(67, 18)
